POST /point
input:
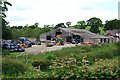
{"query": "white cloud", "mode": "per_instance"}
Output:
(55, 11)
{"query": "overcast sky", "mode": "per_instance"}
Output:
(59, 11)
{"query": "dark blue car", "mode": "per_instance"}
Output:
(75, 41)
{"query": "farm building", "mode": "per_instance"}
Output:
(114, 33)
(70, 33)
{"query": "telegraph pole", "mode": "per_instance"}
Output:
(119, 10)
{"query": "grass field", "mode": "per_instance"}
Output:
(92, 61)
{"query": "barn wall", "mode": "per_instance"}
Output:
(88, 40)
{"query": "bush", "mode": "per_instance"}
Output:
(35, 63)
(42, 64)
(5, 52)
(96, 46)
(106, 69)
(12, 67)
(87, 48)
(51, 57)
(70, 68)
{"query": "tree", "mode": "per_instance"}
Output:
(19, 27)
(46, 28)
(36, 24)
(95, 23)
(62, 25)
(82, 24)
(68, 23)
(6, 34)
(32, 26)
(112, 24)
(15, 33)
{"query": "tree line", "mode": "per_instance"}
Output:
(34, 30)
(14, 32)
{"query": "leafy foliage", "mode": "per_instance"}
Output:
(28, 31)
(100, 51)
(40, 63)
(70, 68)
(81, 62)
(68, 23)
(6, 33)
(95, 23)
(112, 24)
(12, 67)
(82, 24)
(62, 25)
(51, 57)
(5, 52)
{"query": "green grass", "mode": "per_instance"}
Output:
(15, 53)
(80, 51)
(92, 52)
(107, 52)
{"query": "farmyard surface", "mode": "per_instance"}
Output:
(42, 48)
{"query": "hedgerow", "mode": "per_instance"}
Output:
(12, 67)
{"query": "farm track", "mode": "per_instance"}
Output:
(42, 48)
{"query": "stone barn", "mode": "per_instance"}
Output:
(70, 33)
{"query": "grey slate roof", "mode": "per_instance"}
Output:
(82, 32)
(113, 32)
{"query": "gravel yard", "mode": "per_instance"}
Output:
(42, 48)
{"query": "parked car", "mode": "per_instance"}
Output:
(13, 48)
(75, 41)
(36, 43)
